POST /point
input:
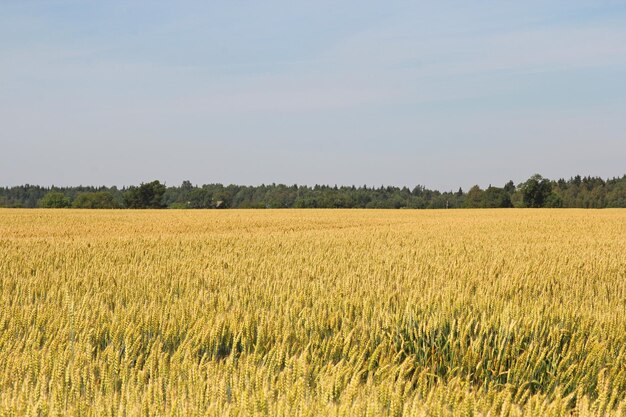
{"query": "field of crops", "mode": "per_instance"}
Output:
(313, 313)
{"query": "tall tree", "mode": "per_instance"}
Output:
(147, 195)
(535, 191)
(475, 198)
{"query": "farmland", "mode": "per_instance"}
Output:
(313, 312)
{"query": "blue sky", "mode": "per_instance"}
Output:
(444, 93)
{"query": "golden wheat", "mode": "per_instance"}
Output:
(313, 313)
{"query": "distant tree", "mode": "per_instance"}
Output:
(475, 198)
(535, 191)
(553, 201)
(576, 180)
(201, 197)
(616, 197)
(147, 195)
(186, 186)
(495, 197)
(509, 187)
(417, 191)
(95, 200)
(54, 199)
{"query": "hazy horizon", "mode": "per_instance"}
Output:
(440, 94)
(199, 184)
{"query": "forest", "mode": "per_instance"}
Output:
(535, 192)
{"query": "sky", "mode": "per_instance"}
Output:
(443, 93)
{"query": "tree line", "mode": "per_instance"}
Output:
(537, 191)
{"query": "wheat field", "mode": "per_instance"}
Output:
(313, 313)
